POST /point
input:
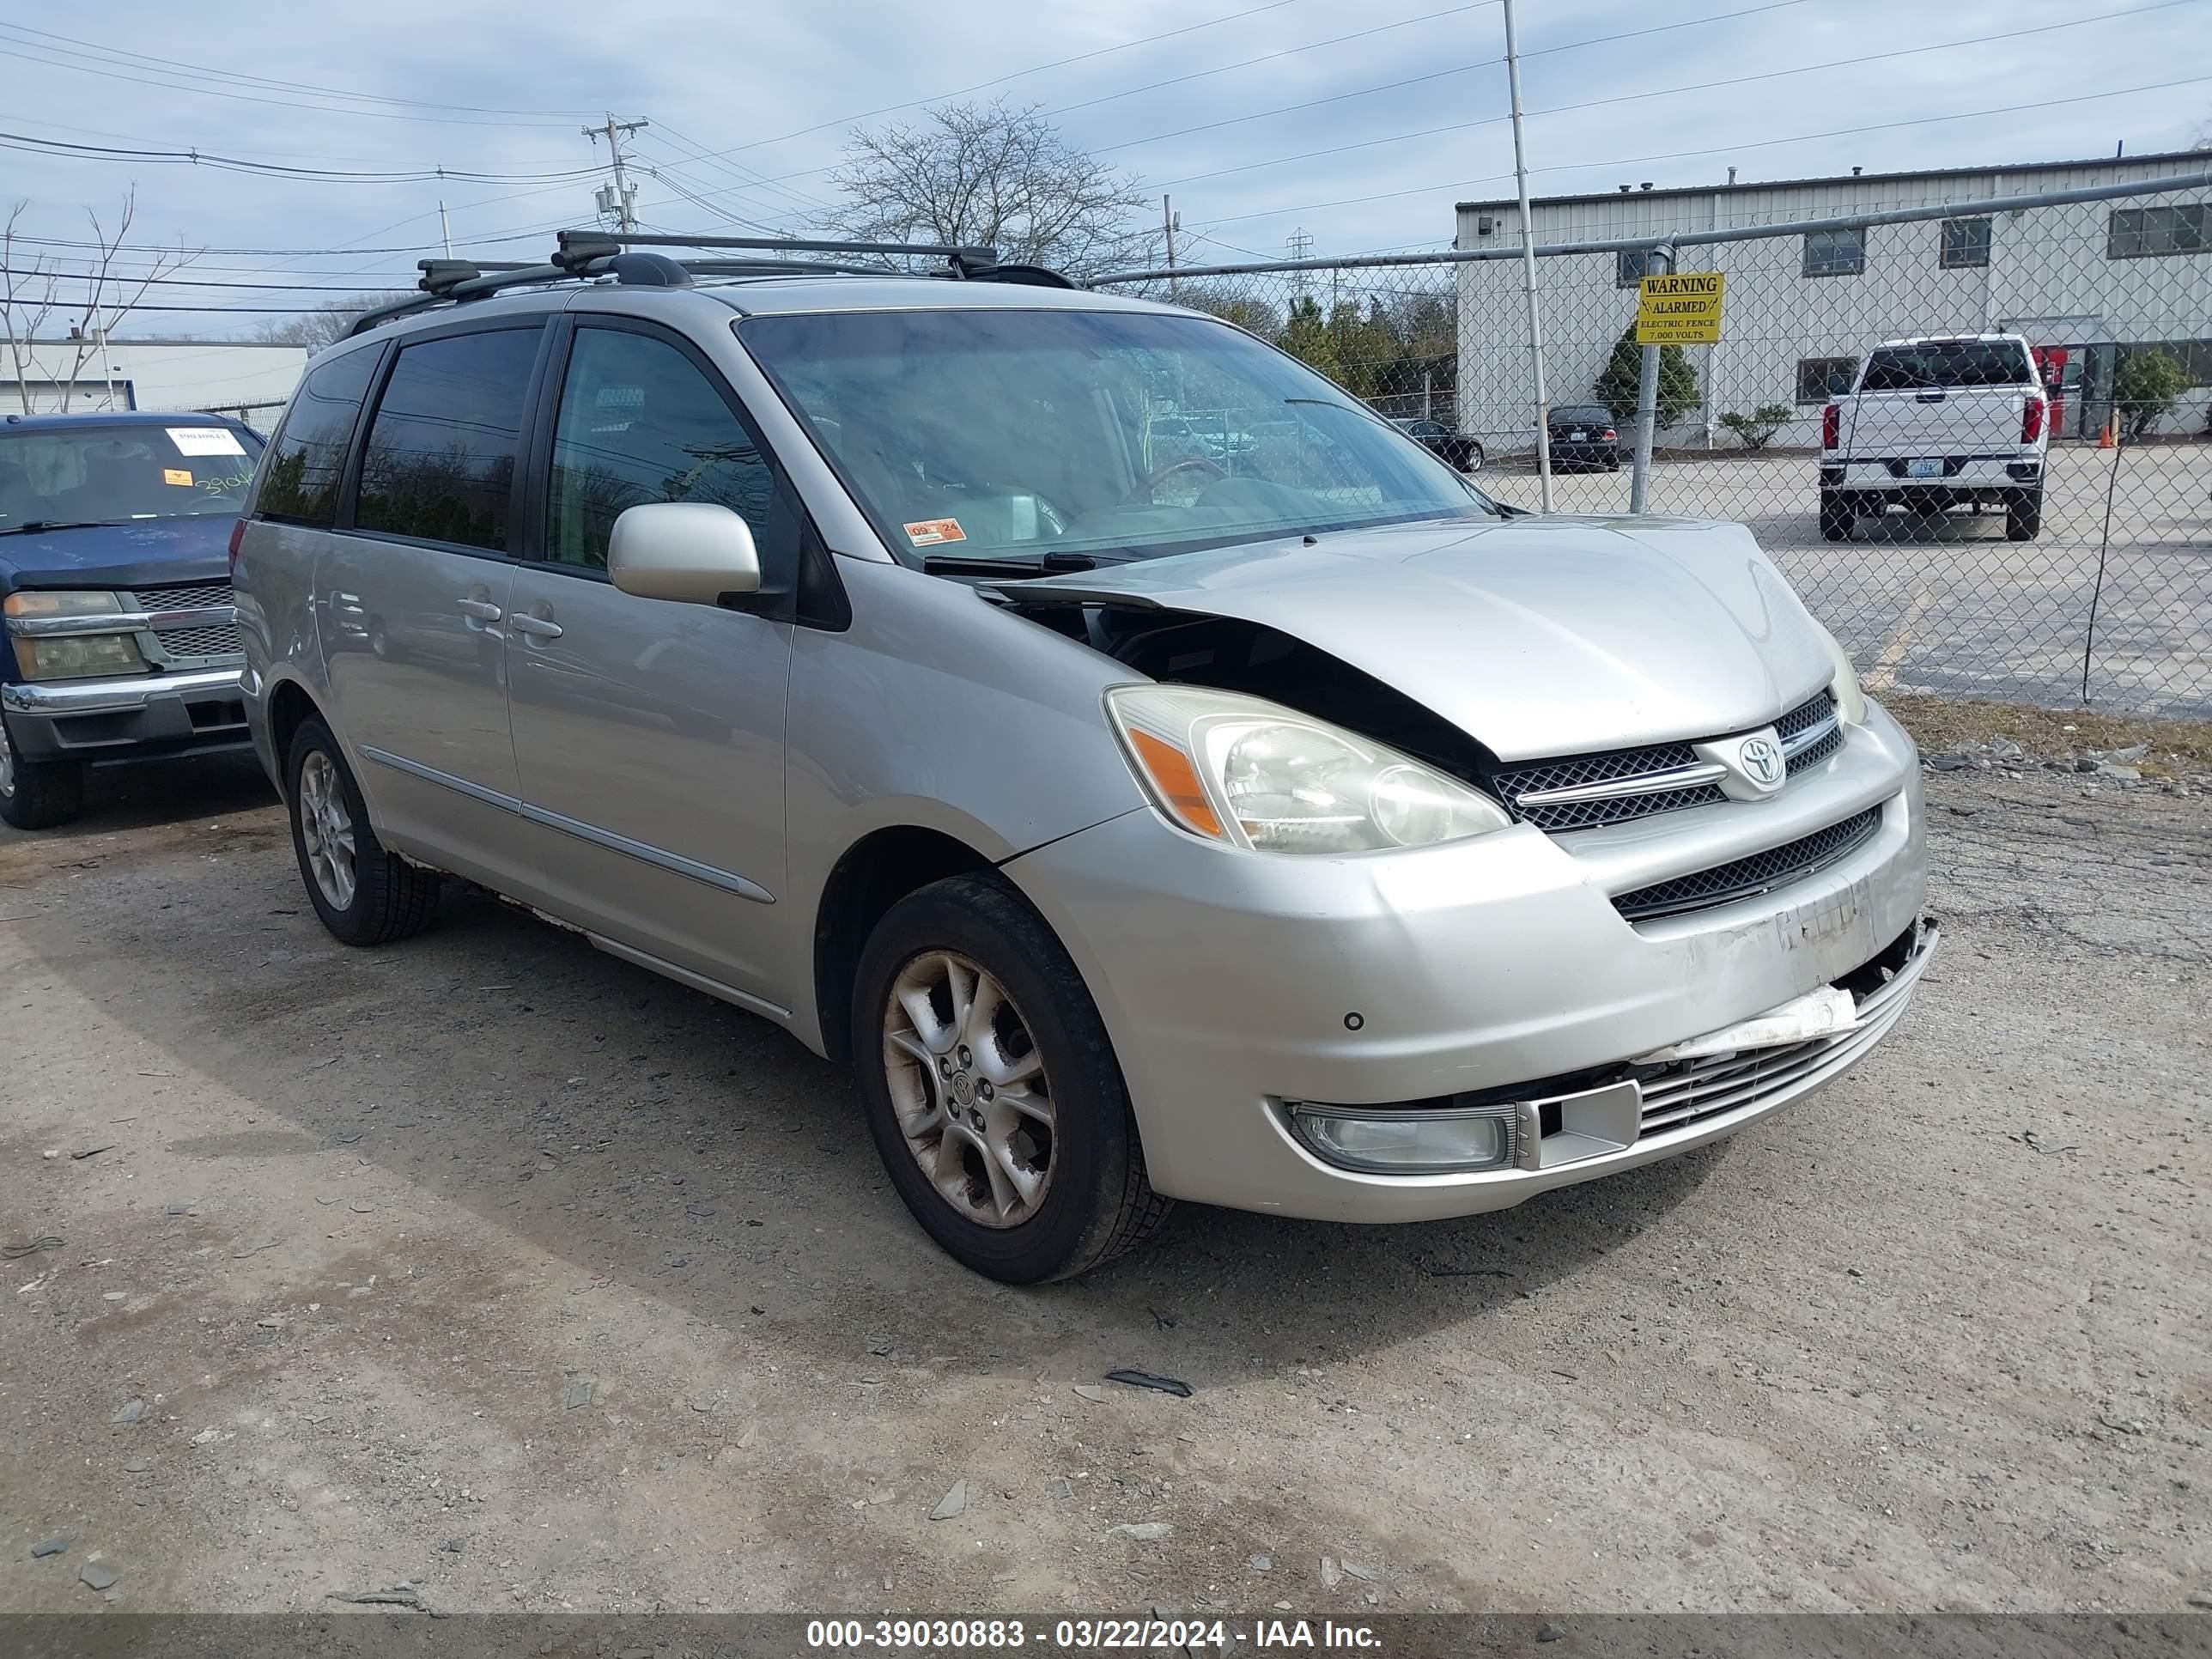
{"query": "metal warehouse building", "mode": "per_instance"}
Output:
(2085, 282)
(246, 379)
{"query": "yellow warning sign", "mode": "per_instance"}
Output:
(1683, 309)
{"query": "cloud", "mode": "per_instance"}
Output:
(768, 92)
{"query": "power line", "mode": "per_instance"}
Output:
(996, 80)
(1269, 56)
(274, 169)
(25, 51)
(1718, 149)
(177, 66)
(1633, 97)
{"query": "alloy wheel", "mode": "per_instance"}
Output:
(969, 1089)
(7, 762)
(327, 829)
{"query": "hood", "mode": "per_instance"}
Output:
(1535, 636)
(154, 552)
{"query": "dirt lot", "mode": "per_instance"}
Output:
(493, 1264)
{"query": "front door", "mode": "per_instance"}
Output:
(649, 735)
(414, 594)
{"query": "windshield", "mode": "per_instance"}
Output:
(1014, 434)
(1946, 363)
(96, 474)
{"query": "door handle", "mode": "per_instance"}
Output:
(537, 627)
(478, 609)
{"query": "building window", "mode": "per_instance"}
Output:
(2195, 358)
(1965, 243)
(2146, 233)
(1819, 379)
(1835, 253)
(1628, 270)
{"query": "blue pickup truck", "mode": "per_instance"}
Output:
(115, 586)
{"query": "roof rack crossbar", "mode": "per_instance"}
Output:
(783, 244)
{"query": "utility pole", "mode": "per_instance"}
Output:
(1171, 223)
(1300, 245)
(620, 199)
(1528, 271)
(445, 230)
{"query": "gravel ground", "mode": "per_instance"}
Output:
(492, 1264)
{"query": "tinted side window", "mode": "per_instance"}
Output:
(640, 423)
(308, 458)
(440, 460)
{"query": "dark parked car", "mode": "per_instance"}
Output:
(1584, 435)
(1453, 449)
(121, 643)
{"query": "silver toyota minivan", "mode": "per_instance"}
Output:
(1161, 777)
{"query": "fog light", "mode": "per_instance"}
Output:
(1388, 1142)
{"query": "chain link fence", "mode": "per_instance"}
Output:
(1977, 518)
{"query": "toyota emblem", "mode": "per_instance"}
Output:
(1761, 760)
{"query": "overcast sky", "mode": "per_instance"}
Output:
(749, 104)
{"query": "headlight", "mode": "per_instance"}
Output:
(63, 605)
(1851, 701)
(78, 656)
(1253, 774)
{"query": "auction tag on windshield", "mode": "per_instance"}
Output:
(206, 440)
(176, 475)
(929, 532)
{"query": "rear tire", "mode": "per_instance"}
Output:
(363, 894)
(37, 794)
(2024, 515)
(1836, 519)
(1042, 1189)
(1472, 461)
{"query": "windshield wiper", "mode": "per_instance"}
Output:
(59, 523)
(1052, 564)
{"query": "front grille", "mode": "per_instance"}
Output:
(1683, 1092)
(219, 640)
(1760, 872)
(1625, 766)
(188, 596)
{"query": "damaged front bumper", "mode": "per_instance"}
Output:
(1248, 996)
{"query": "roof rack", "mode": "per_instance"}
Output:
(629, 259)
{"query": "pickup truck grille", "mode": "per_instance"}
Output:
(189, 596)
(1761, 872)
(201, 640)
(1811, 726)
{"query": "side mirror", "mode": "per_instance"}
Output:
(690, 552)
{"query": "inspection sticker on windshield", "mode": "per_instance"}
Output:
(206, 440)
(178, 476)
(929, 532)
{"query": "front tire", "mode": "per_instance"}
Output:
(1472, 461)
(37, 794)
(363, 894)
(991, 1088)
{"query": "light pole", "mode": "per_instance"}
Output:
(1528, 271)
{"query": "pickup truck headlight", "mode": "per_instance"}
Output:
(1851, 699)
(64, 605)
(71, 656)
(1252, 774)
(78, 657)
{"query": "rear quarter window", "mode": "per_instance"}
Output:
(308, 458)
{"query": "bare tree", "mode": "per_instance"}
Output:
(97, 299)
(995, 175)
(326, 324)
